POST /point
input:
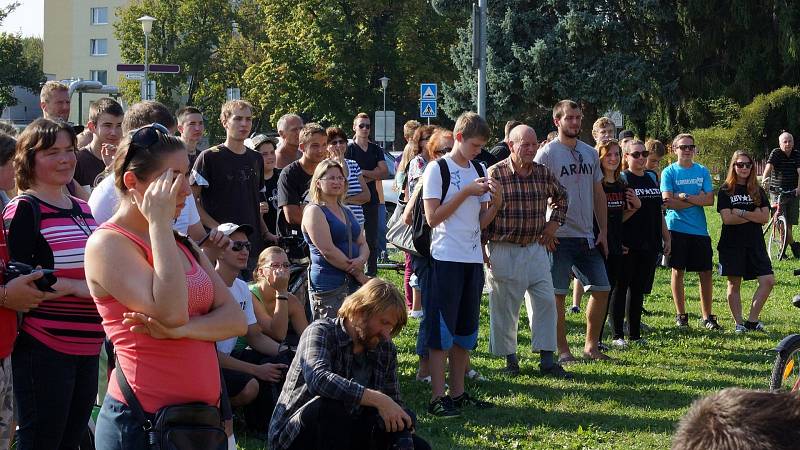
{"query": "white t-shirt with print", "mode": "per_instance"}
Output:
(242, 296)
(457, 238)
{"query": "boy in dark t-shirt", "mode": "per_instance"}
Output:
(227, 179)
(105, 124)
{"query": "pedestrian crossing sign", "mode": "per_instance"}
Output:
(428, 108)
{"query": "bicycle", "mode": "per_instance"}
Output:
(777, 228)
(786, 368)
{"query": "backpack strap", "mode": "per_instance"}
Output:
(479, 168)
(445, 172)
(653, 175)
(37, 213)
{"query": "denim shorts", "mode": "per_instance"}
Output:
(574, 255)
(117, 429)
(452, 303)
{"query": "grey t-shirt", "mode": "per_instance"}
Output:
(577, 170)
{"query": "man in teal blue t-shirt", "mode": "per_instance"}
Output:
(686, 188)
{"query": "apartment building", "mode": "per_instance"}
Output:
(79, 42)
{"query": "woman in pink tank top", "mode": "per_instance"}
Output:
(163, 306)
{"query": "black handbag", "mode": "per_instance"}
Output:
(189, 426)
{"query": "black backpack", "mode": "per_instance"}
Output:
(421, 231)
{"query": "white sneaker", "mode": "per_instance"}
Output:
(620, 343)
(740, 329)
(418, 314)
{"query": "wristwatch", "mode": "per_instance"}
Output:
(682, 196)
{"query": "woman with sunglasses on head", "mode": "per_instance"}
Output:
(744, 208)
(335, 239)
(620, 201)
(416, 146)
(55, 357)
(643, 231)
(170, 307)
(357, 193)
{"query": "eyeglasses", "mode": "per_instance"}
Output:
(337, 142)
(690, 147)
(743, 165)
(637, 155)
(241, 245)
(144, 138)
(443, 151)
(276, 266)
(339, 178)
(364, 125)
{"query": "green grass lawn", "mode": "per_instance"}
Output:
(633, 402)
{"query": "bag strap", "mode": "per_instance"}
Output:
(346, 212)
(130, 398)
(444, 170)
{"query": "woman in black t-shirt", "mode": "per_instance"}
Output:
(744, 208)
(620, 200)
(643, 232)
(269, 196)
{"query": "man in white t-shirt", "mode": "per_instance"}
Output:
(245, 381)
(455, 279)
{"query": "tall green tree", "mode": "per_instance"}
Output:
(20, 62)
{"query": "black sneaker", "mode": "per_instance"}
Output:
(711, 323)
(556, 371)
(511, 369)
(443, 407)
(465, 399)
(682, 320)
(602, 347)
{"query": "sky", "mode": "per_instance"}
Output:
(27, 19)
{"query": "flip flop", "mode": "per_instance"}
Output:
(567, 359)
(599, 356)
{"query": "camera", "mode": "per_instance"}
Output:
(16, 268)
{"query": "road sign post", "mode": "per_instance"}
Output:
(428, 100)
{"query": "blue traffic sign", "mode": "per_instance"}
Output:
(428, 91)
(427, 108)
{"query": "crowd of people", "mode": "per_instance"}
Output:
(163, 262)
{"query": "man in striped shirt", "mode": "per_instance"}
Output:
(519, 240)
(784, 166)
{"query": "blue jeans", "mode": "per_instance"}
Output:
(574, 255)
(54, 393)
(117, 429)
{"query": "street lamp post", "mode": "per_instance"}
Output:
(147, 27)
(384, 83)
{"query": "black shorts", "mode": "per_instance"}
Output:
(235, 381)
(690, 252)
(789, 207)
(748, 263)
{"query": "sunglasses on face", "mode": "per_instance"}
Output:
(743, 165)
(364, 125)
(338, 178)
(276, 266)
(690, 147)
(240, 245)
(337, 142)
(637, 155)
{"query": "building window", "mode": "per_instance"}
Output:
(98, 47)
(99, 75)
(100, 16)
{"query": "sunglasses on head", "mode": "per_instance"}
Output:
(637, 155)
(240, 245)
(743, 165)
(364, 125)
(443, 151)
(144, 138)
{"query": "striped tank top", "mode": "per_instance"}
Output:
(66, 324)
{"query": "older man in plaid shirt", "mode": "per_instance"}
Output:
(518, 241)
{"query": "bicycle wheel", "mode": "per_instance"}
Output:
(777, 239)
(786, 370)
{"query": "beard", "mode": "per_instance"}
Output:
(571, 134)
(361, 337)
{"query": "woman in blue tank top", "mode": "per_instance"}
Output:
(337, 243)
